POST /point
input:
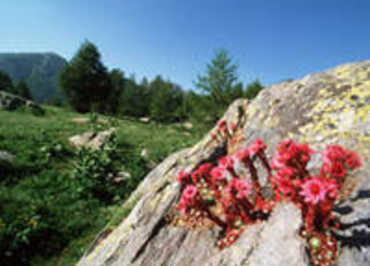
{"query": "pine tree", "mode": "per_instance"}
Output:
(85, 80)
(220, 78)
(118, 82)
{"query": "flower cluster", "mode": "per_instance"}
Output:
(230, 195)
(225, 193)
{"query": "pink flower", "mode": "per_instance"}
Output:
(243, 188)
(256, 146)
(331, 187)
(277, 162)
(218, 174)
(314, 190)
(242, 154)
(226, 162)
(189, 194)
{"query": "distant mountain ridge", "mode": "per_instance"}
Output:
(40, 70)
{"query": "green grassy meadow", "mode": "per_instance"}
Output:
(48, 214)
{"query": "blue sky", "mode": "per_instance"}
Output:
(269, 40)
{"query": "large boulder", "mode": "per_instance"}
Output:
(320, 109)
(12, 102)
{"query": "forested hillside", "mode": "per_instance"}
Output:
(39, 70)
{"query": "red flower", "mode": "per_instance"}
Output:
(283, 181)
(284, 185)
(182, 206)
(333, 153)
(242, 154)
(332, 187)
(221, 123)
(241, 187)
(286, 172)
(304, 152)
(218, 174)
(352, 160)
(277, 162)
(337, 169)
(226, 162)
(315, 196)
(314, 190)
(256, 146)
(183, 177)
(205, 167)
(263, 205)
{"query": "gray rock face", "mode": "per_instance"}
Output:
(320, 109)
(355, 218)
(12, 102)
(279, 243)
(262, 244)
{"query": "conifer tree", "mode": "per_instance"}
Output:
(85, 80)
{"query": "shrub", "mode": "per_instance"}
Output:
(95, 172)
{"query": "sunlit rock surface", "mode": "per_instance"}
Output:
(322, 108)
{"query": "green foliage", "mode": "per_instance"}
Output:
(118, 82)
(55, 100)
(93, 117)
(41, 214)
(253, 89)
(135, 99)
(22, 90)
(6, 83)
(85, 80)
(220, 78)
(94, 172)
(220, 83)
(48, 212)
(166, 100)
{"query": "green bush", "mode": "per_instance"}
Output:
(92, 170)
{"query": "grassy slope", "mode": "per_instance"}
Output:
(20, 134)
